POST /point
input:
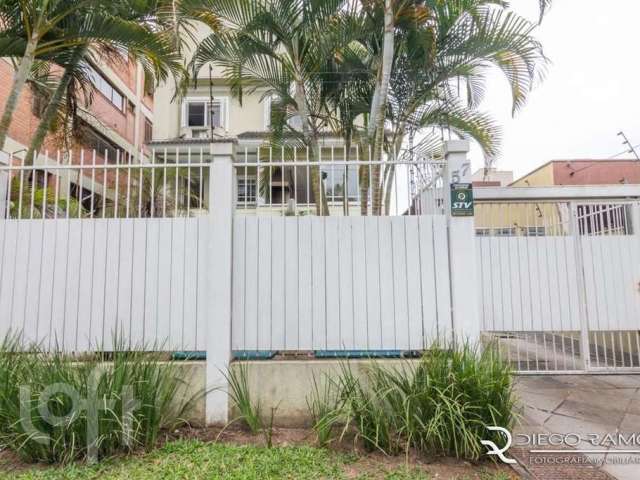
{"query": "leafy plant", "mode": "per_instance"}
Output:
(442, 405)
(325, 409)
(250, 412)
(54, 408)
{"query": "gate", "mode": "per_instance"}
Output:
(560, 283)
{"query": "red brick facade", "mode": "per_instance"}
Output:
(106, 116)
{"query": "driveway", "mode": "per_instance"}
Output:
(589, 406)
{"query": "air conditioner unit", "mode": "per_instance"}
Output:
(200, 133)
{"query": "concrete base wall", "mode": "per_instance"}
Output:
(281, 384)
(286, 384)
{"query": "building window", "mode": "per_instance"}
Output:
(534, 231)
(483, 232)
(148, 130)
(247, 189)
(203, 113)
(334, 181)
(196, 114)
(605, 219)
(102, 85)
(103, 146)
(505, 232)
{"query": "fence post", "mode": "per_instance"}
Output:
(221, 208)
(465, 317)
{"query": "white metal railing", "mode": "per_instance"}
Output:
(92, 185)
(92, 245)
(287, 181)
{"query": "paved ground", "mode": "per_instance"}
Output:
(586, 405)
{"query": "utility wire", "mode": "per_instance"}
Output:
(624, 151)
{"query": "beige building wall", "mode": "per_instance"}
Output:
(250, 116)
(543, 176)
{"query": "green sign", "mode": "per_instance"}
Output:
(461, 200)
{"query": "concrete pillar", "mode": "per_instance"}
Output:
(221, 209)
(462, 249)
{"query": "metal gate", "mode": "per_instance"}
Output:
(560, 283)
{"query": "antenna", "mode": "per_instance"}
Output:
(628, 144)
(211, 102)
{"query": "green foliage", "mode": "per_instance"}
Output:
(442, 405)
(250, 412)
(29, 202)
(191, 459)
(324, 407)
(55, 408)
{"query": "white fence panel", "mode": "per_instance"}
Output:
(339, 283)
(72, 283)
(612, 276)
(528, 284)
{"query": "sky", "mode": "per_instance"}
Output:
(590, 93)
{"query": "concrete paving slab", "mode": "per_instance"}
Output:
(584, 405)
(594, 411)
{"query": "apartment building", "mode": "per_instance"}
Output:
(208, 112)
(118, 119)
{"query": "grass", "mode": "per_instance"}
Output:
(193, 459)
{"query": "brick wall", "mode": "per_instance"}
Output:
(24, 123)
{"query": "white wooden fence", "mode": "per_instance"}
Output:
(92, 247)
(341, 283)
(74, 283)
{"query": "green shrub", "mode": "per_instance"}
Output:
(443, 405)
(106, 403)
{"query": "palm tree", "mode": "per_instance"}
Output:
(31, 30)
(438, 47)
(123, 28)
(281, 46)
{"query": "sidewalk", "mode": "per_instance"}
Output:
(586, 405)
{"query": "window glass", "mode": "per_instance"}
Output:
(247, 188)
(334, 180)
(203, 114)
(105, 88)
(116, 99)
(148, 130)
(195, 114)
(215, 113)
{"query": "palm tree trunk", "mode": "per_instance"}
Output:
(19, 81)
(390, 174)
(317, 187)
(378, 115)
(52, 108)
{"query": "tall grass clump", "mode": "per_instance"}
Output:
(249, 412)
(325, 408)
(442, 405)
(57, 408)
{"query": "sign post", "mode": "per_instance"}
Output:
(462, 200)
(462, 246)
